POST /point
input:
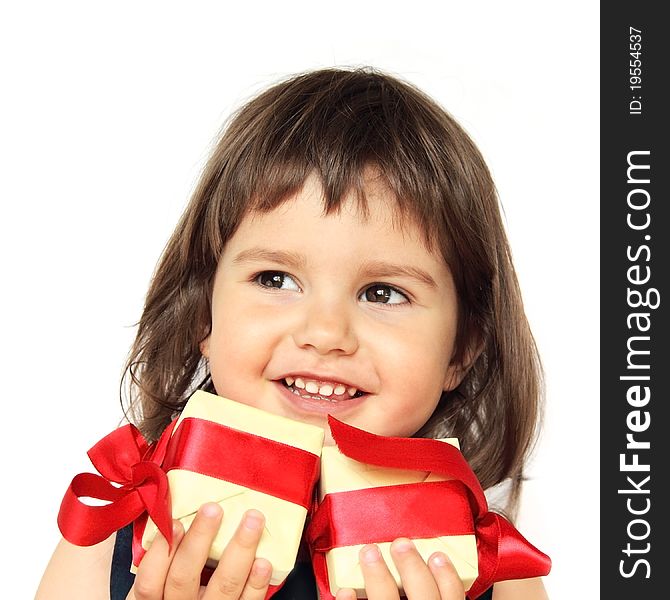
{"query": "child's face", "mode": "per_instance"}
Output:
(339, 303)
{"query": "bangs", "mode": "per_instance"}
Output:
(346, 128)
(283, 181)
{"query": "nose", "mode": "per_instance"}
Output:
(327, 327)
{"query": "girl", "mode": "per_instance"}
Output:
(342, 254)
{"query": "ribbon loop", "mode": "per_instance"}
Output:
(115, 454)
(142, 487)
(504, 554)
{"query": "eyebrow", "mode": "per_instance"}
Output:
(256, 254)
(381, 269)
(371, 270)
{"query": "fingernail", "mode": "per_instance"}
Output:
(403, 545)
(262, 569)
(439, 559)
(211, 510)
(370, 554)
(253, 519)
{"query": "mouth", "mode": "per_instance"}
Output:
(320, 396)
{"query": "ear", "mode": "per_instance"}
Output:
(454, 376)
(204, 347)
(457, 371)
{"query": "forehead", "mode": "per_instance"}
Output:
(373, 207)
(354, 238)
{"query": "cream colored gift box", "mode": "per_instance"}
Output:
(284, 521)
(342, 474)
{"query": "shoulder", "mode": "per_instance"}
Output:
(520, 589)
(78, 573)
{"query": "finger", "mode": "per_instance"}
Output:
(153, 569)
(379, 583)
(259, 579)
(234, 566)
(417, 580)
(183, 579)
(345, 594)
(446, 576)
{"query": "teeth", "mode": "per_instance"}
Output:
(298, 393)
(325, 389)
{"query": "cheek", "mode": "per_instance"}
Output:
(401, 414)
(237, 348)
(414, 375)
(419, 400)
(416, 358)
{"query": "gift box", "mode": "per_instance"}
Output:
(341, 475)
(448, 501)
(262, 461)
(214, 441)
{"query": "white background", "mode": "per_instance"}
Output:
(108, 111)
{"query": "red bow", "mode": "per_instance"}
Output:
(199, 445)
(125, 458)
(503, 552)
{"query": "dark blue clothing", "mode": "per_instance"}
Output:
(300, 584)
(121, 579)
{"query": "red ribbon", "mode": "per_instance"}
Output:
(243, 458)
(125, 458)
(503, 553)
(197, 445)
(428, 507)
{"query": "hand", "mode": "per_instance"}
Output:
(176, 575)
(436, 580)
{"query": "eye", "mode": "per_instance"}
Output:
(277, 280)
(383, 294)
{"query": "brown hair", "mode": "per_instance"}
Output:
(337, 123)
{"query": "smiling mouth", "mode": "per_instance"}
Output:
(325, 392)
